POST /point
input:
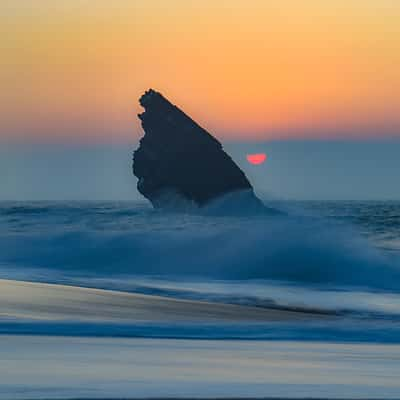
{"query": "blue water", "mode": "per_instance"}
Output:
(329, 258)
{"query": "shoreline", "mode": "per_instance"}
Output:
(42, 309)
(53, 302)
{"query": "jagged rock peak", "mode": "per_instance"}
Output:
(178, 161)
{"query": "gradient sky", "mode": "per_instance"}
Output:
(245, 69)
(313, 83)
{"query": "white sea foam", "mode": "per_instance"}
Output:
(286, 261)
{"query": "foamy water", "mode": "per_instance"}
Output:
(333, 258)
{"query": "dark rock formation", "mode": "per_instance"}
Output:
(178, 160)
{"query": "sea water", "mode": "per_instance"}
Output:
(339, 260)
(326, 256)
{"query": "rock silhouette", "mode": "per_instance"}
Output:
(178, 162)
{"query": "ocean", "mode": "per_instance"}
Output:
(316, 278)
(336, 257)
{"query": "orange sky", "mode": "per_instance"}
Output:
(244, 69)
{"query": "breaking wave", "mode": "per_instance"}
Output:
(126, 239)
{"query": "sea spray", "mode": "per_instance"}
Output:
(113, 240)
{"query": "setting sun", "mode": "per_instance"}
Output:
(256, 159)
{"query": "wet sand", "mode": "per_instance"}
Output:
(49, 302)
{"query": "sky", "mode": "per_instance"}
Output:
(315, 84)
(245, 69)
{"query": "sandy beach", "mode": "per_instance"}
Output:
(40, 301)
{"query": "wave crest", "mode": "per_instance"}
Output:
(287, 248)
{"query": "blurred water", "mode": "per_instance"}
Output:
(336, 258)
(66, 368)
